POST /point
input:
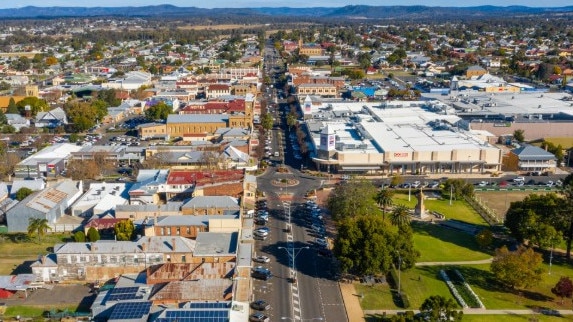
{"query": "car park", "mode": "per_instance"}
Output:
(260, 305)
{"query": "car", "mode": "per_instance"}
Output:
(261, 259)
(260, 305)
(550, 183)
(434, 185)
(322, 242)
(258, 317)
(325, 252)
(263, 229)
(261, 273)
(519, 179)
(261, 233)
(482, 183)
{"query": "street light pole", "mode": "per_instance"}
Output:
(399, 272)
(293, 253)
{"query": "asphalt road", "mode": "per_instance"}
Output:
(316, 293)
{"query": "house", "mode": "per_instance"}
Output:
(150, 183)
(144, 211)
(105, 259)
(529, 158)
(17, 121)
(217, 90)
(51, 119)
(211, 205)
(50, 204)
(190, 226)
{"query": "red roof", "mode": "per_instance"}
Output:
(218, 87)
(103, 223)
(202, 177)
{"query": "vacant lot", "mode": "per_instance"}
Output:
(499, 201)
(18, 251)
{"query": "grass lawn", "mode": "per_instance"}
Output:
(417, 283)
(35, 311)
(421, 282)
(504, 318)
(439, 244)
(459, 209)
(513, 318)
(496, 296)
(18, 250)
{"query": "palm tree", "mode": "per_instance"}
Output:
(38, 226)
(384, 200)
(400, 216)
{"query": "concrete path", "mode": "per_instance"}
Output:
(483, 261)
(351, 302)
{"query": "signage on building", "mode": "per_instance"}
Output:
(400, 154)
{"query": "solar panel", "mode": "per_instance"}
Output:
(209, 305)
(130, 310)
(124, 294)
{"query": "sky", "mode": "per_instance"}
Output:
(275, 3)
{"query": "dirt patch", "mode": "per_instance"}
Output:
(500, 201)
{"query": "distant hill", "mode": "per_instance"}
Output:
(364, 12)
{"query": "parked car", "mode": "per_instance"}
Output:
(260, 305)
(519, 179)
(322, 242)
(261, 273)
(261, 259)
(258, 317)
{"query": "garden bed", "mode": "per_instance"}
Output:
(461, 290)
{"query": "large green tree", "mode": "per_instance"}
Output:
(159, 111)
(566, 214)
(23, 192)
(267, 121)
(124, 230)
(458, 187)
(93, 235)
(369, 245)
(537, 219)
(437, 308)
(352, 198)
(517, 269)
(36, 105)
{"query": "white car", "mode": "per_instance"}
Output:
(261, 259)
(519, 179)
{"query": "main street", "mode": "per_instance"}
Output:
(315, 293)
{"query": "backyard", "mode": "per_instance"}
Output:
(18, 251)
